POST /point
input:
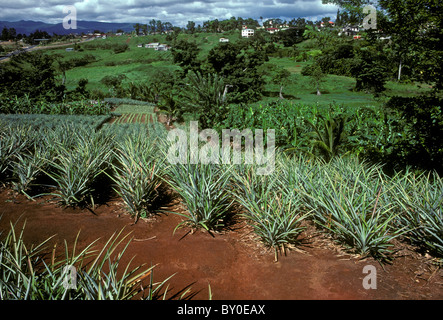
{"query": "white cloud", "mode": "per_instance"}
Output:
(174, 11)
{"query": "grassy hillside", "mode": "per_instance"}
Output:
(142, 64)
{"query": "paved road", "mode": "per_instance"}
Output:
(17, 52)
(36, 47)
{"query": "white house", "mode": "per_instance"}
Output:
(272, 30)
(152, 45)
(349, 30)
(162, 47)
(330, 23)
(246, 33)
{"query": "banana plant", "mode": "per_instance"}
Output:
(170, 106)
(329, 132)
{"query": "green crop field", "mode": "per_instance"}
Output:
(131, 108)
(133, 111)
(36, 121)
(136, 118)
(358, 204)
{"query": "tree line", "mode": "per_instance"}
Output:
(10, 34)
(344, 17)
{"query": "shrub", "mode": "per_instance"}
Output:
(120, 48)
(422, 119)
(33, 74)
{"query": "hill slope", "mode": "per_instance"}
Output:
(28, 26)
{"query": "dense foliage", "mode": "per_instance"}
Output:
(404, 133)
(33, 75)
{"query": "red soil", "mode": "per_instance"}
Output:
(233, 262)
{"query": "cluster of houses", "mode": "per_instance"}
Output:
(99, 35)
(348, 30)
(156, 46)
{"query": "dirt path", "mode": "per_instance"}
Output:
(235, 265)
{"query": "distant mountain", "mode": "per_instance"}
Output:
(27, 27)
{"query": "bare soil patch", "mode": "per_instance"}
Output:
(233, 262)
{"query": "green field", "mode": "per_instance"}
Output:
(335, 89)
(131, 108)
(140, 65)
(37, 121)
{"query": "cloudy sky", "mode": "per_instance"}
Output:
(174, 11)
